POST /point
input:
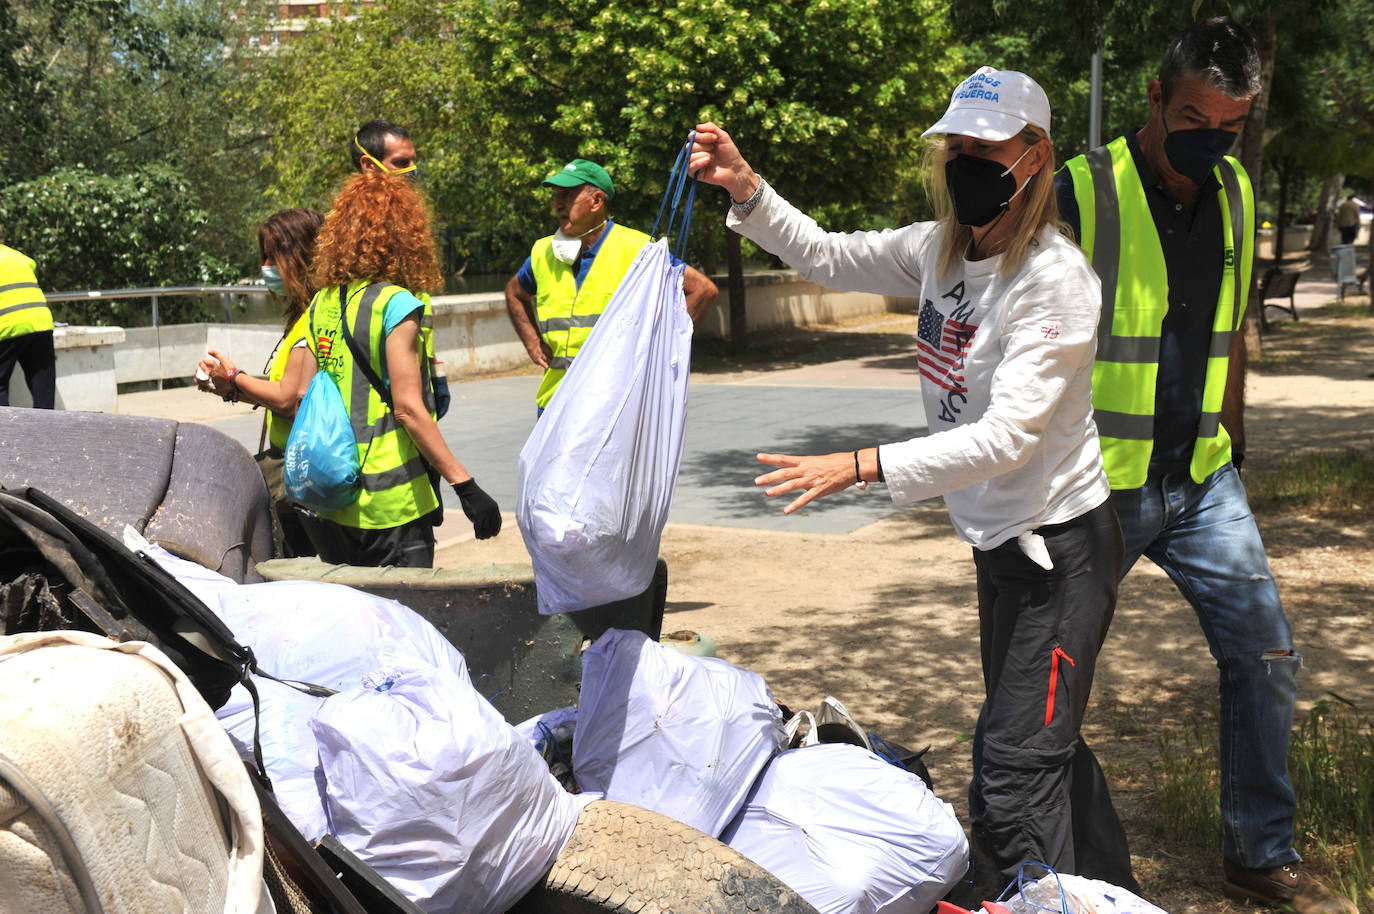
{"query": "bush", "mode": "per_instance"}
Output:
(92, 231)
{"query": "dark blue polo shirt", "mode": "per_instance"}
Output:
(1193, 253)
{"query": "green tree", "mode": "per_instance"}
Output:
(826, 97)
(93, 231)
(114, 86)
(405, 62)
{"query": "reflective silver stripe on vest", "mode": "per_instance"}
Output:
(560, 363)
(426, 320)
(1134, 349)
(396, 476)
(18, 285)
(1236, 200)
(1124, 425)
(28, 304)
(1106, 247)
(568, 323)
(361, 391)
(1220, 347)
(1208, 425)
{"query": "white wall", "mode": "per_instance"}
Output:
(85, 369)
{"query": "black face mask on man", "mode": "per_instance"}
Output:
(981, 188)
(1194, 153)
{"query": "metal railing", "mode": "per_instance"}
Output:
(225, 293)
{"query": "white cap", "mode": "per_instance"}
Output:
(994, 105)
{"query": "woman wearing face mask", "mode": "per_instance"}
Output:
(286, 244)
(1005, 339)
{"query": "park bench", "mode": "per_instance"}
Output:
(1280, 282)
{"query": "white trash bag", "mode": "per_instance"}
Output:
(596, 477)
(850, 832)
(683, 736)
(430, 786)
(316, 632)
(1065, 893)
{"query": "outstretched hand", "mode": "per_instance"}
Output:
(815, 477)
(716, 160)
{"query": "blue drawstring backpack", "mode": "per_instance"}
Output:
(321, 467)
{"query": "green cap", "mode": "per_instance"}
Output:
(579, 172)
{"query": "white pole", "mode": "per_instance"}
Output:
(1095, 101)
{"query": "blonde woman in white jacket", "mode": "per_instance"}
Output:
(1005, 337)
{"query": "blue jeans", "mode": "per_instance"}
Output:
(1204, 537)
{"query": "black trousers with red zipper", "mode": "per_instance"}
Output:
(1038, 793)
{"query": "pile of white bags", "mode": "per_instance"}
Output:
(683, 736)
(443, 798)
(595, 478)
(850, 832)
(407, 765)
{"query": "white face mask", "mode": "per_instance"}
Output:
(566, 247)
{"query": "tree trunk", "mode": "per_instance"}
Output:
(1285, 170)
(739, 326)
(1252, 157)
(1328, 198)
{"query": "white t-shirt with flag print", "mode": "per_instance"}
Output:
(1005, 365)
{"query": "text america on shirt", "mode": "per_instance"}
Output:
(942, 343)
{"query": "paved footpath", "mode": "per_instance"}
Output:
(815, 409)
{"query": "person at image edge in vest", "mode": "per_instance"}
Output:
(570, 276)
(1004, 339)
(1168, 223)
(373, 253)
(25, 331)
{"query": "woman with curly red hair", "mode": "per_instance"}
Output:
(367, 331)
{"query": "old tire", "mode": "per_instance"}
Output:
(626, 859)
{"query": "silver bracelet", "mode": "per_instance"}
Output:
(747, 207)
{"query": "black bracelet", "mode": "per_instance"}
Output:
(858, 479)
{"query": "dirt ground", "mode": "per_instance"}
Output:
(885, 617)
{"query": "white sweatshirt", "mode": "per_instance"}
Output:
(1006, 367)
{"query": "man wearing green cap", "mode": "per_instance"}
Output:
(556, 297)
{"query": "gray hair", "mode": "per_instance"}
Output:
(1219, 52)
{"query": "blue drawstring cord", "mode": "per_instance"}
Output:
(1020, 886)
(678, 180)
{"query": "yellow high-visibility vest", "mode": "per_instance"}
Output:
(279, 429)
(566, 313)
(395, 484)
(23, 307)
(1119, 236)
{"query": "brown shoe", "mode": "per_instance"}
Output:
(1285, 887)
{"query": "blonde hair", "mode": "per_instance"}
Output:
(1041, 208)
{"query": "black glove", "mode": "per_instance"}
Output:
(480, 508)
(441, 395)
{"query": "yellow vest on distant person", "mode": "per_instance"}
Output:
(395, 482)
(279, 429)
(1119, 236)
(567, 313)
(23, 308)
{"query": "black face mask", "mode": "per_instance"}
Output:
(980, 188)
(1194, 153)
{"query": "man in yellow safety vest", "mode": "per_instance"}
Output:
(25, 331)
(555, 298)
(1168, 221)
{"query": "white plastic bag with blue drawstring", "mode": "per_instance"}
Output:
(595, 479)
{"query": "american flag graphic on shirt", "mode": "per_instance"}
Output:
(942, 347)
